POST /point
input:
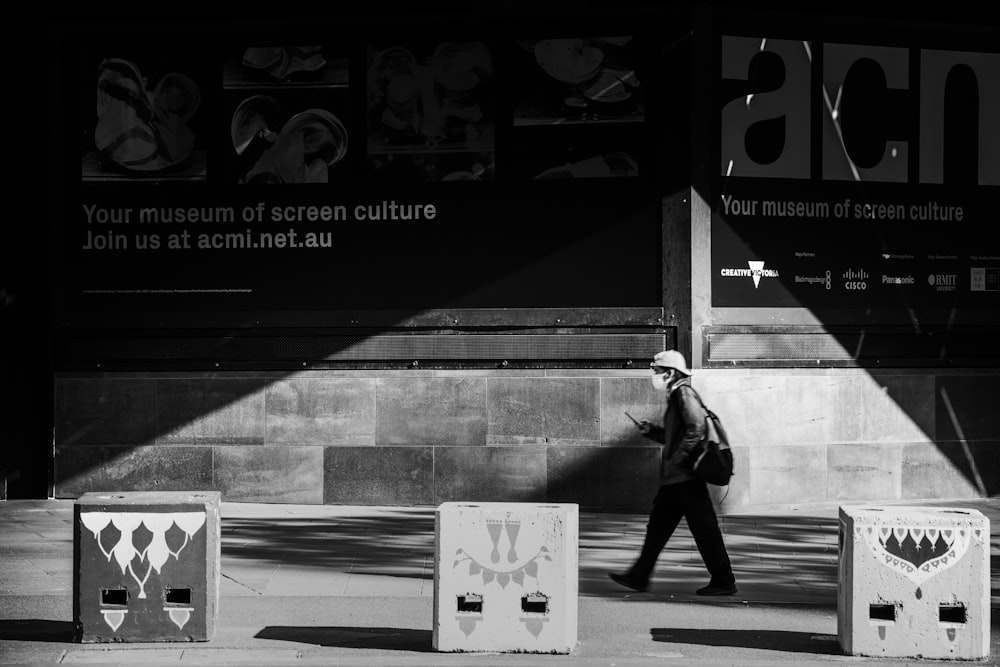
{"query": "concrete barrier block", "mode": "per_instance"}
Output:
(914, 582)
(506, 577)
(146, 566)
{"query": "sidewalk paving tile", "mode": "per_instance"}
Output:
(123, 656)
(304, 580)
(247, 574)
(297, 555)
(375, 585)
(35, 583)
(224, 656)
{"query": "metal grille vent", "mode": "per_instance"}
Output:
(553, 348)
(771, 347)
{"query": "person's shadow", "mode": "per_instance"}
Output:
(774, 640)
(36, 630)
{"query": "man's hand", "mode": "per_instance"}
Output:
(644, 427)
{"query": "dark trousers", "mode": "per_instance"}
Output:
(690, 500)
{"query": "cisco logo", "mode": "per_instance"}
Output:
(855, 280)
(943, 282)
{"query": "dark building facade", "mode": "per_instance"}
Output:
(429, 257)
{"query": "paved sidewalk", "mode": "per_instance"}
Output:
(305, 584)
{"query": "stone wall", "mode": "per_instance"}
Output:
(423, 437)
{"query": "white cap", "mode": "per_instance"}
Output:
(671, 359)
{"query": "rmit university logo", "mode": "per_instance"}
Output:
(943, 282)
(855, 280)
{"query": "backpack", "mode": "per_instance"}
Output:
(712, 459)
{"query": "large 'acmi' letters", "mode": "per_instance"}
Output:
(791, 102)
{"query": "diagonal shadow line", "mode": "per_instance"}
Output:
(37, 630)
(397, 639)
(774, 640)
(956, 424)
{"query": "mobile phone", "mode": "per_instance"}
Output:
(634, 420)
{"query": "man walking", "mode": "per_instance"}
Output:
(681, 493)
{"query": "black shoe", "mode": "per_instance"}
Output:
(712, 589)
(627, 582)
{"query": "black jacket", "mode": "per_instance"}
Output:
(682, 430)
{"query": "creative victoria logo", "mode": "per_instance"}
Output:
(755, 272)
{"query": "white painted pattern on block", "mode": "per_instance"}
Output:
(156, 553)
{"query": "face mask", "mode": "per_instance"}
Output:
(661, 381)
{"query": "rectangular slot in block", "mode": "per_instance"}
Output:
(470, 603)
(882, 612)
(952, 613)
(177, 595)
(114, 597)
(535, 603)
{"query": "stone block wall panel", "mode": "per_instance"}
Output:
(320, 411)
(419, 437)
(898, 407)
(635, 396)
(284, 474)
(490, 474)
(863, 471)
(378, 475)
(784, 409)
(430, 411)
(937, 470)
(544, 411)
(784, 474)
(605, 477)
(99, 411)
(78, 470)
(965, 407)
(213, 411)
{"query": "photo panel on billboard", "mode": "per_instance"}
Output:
(141, 114)
(431, 110)
(399, 175)
(288, 109)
